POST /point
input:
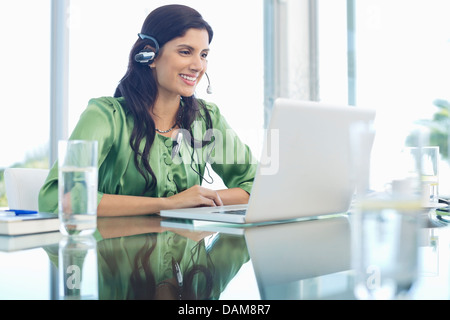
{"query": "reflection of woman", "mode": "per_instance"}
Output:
(136, 128)
(168, 266)
(139, 259)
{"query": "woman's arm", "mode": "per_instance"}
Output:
(116, 227)
(112, 205)
(196, 196)
(233, 196)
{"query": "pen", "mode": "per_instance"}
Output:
(18, 212)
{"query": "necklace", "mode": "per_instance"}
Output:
(173, 127)
(168, 130)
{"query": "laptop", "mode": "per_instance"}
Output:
(304, 169)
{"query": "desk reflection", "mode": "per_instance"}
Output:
(139, 259)
(286, 254)
(288, 257)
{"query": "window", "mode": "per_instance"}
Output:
(390, 55)
(402, 65)
(24, 83)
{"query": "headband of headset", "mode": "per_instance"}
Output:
(146, 57)
(144, 36)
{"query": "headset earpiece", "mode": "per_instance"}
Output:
(145, 57)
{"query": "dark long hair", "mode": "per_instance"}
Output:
(139, 88)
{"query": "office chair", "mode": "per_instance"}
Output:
(22, 187)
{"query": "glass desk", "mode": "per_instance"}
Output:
(151, 258)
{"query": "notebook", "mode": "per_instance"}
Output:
(12, 224)
(304, 169)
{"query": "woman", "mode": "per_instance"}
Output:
(140, 171)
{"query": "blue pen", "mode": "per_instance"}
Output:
(18, 212)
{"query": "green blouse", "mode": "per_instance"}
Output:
(108, 121)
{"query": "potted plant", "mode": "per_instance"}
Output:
(438, 126)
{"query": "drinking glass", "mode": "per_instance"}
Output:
(429, 166)
(385, 219)
(78, 268)
(77, 186)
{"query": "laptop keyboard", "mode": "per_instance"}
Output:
(238, 212)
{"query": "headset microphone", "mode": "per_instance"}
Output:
(209, 88)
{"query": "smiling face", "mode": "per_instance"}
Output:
(181, 63)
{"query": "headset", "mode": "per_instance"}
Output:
(147, 56)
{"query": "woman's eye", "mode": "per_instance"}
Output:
(185, 52)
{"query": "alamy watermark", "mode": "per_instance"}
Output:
(373, 281)
(73, 280)
(215, 146)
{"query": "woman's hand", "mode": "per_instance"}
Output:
(196, 196)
